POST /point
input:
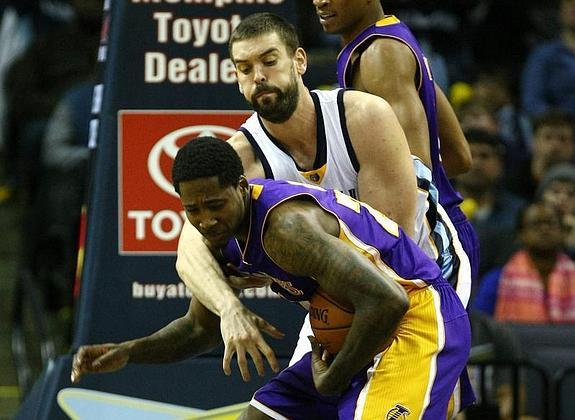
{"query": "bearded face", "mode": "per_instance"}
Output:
(274, 104)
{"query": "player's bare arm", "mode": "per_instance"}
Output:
(396, 83)
(191, 335)
(202, 274)
(303, 240)
(387, 183)
(195, 264)
(455, 151)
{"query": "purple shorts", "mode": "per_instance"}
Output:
(416, 374)
(467, 237)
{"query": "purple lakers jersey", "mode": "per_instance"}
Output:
(391, 27)
(362, 227)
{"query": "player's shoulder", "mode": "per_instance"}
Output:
(359, 104)
(385, 50)
(247, 154)
(241, 145)
(239, 140)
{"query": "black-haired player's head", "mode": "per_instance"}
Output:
(208, 175)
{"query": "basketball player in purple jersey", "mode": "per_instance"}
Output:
(382, 57)
(306, 237)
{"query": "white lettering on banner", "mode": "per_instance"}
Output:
(259, 293)
(158, 68)
(194, 30)
(160, 291)
(157, 224)
(216, 3)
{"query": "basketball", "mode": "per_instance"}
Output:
(329, 320)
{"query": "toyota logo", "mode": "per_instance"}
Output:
(168, 145)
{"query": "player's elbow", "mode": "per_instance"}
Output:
(465, 160)
(399, 304)
(458, 162)
(392, 302)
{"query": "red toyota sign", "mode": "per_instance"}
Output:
(149, 210)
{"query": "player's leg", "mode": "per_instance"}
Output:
(466, 248)
(292, 395)
(467, 237)
(452, 359)
(456, 267)
(417, 373)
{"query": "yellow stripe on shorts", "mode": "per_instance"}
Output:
(402, 379)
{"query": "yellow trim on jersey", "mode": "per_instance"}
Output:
(389, 225)
(315, 175)
(256, 191)
(403, 375)
(372, 253)
(385, 222)
(347, 201)
(387, 20)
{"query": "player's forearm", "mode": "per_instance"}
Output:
(378, 301)
(179, 340)
(397, 203)
(371, 331)
(201, 273)
(455, 151)
(297, 245)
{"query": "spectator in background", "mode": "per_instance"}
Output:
(61, 185)
(475, 115)
(52, 63)
(494, 89)
(548, 79)
(491, 209)
(66, 139)
(21, 22)
(557, 188)
(537, 284)
(553, 143)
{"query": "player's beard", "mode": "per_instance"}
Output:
(279, 109)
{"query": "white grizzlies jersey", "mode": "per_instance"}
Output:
(436, 235)
(335, 165)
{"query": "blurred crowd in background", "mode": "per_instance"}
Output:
(507, 66)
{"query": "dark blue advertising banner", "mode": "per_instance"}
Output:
(165, 78)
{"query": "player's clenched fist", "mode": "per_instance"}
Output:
(98, 359)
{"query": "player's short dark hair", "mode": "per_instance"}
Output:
(204, 157)
(265, 23)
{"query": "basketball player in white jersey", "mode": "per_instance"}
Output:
(325, 138)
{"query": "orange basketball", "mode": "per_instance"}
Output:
(330, 321)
